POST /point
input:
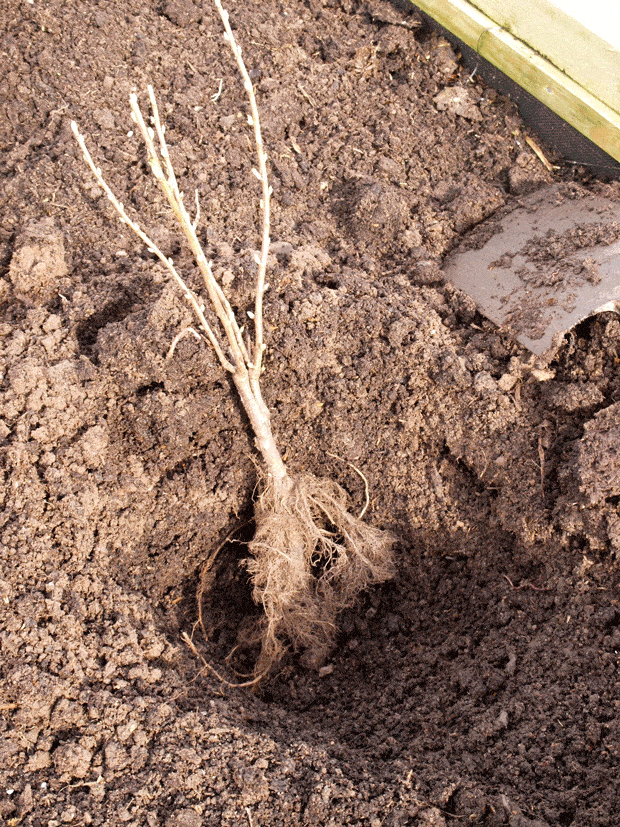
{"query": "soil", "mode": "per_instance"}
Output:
(480, 686)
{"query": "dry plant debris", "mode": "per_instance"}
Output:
(310, 557)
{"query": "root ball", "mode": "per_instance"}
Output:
(310, 560)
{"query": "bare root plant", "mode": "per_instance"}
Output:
(310, 557)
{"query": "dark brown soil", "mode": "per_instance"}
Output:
(481, 686)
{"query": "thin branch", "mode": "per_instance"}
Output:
(261, 174)
(171, 190)
(153, 248)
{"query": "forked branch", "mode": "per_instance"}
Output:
(152, 247)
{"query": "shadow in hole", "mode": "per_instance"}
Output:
(418, 654)
(219, 614)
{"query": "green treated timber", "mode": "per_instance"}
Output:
(581, 40)
(568, 99)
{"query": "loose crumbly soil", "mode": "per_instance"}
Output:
(479, 687)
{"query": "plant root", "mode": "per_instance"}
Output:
(310, 560)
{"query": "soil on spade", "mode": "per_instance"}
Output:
(479, 687)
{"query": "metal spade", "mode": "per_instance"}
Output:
(547, 265)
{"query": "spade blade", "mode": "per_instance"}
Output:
(550, 263)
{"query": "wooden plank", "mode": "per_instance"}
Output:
(534, 73)
(600, 16)
(583, 41)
